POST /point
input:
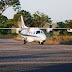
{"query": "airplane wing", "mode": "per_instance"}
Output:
(47, 29)
(8, 28)
(39, 28)
(14, 28)
(51, 29)
(18, 30)
(56, 29)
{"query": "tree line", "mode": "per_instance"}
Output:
(36, 20)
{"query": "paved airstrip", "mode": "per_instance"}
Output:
(32, 57)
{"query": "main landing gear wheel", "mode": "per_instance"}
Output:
(24, 41)
(41, 43)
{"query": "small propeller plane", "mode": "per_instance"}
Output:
(31, 34)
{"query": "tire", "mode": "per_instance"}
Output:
(24, 42)
(41, 43)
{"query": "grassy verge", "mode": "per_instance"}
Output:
(59, 40)
(8, 35)
(66, 42)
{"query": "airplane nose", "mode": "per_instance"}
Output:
(44, 37)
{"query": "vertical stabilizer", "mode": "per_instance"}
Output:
(22, 21)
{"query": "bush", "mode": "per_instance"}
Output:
(9, 35)
(66, 42)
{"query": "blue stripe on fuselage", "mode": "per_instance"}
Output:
(30, 35)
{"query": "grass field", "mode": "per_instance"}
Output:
(59, 40)
(8, 35)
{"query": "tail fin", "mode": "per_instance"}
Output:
(22, 21)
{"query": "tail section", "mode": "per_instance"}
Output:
(22, 21)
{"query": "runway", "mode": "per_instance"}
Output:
(32, 57)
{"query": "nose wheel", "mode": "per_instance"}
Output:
(24, 41)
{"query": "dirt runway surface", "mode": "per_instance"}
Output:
(32, 57)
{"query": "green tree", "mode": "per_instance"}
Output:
(61, 24)
(13, 22)
(3, 31)
(40, 19)
(3, 19)
(2, 25)
(36, 20)
(17, 17)
(4, 4)
(68, 23)
(9, 23)
(27, 17)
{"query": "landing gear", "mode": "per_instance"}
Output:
(24, 41)
(41, 43)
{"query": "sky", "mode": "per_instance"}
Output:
(57, 10)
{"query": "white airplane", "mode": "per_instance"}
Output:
(31, 34)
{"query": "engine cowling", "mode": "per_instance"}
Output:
(69, 30)
(18, 30)
(49, 30)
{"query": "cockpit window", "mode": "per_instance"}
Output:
(34, 32)
(42, 32)
(38, 32)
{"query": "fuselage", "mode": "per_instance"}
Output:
(34, 34)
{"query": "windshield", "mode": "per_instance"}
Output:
(38, 32)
